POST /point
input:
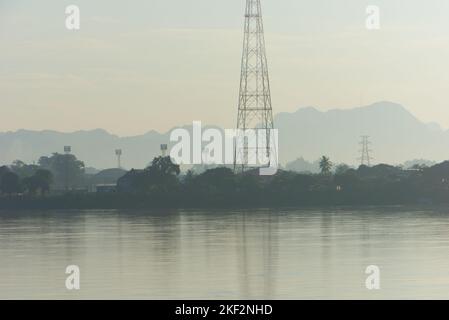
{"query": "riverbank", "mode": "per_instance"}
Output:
(174, 201)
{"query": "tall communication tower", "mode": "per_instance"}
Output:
(118, 153)
(254, 107)
(365, 159)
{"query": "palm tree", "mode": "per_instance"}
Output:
(325, 165)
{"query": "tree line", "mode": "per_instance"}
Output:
(57, 171)
(162, 184)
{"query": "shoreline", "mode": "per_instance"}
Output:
(125, 201)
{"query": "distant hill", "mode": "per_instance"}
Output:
(96, 147)
(396, 135)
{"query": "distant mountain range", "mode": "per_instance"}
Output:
(396, 136)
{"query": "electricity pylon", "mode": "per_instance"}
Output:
(365, 159)
(254, 107)
(118, 153)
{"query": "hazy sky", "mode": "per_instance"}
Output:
(155, 64)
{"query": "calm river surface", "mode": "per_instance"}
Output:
(226, 254)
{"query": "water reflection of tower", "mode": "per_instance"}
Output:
(258, 238)
(67, 151)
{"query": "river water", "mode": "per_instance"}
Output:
(226, 254)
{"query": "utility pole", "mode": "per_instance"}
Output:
(365, 159)
(254, 106)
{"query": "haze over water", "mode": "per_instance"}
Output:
(225, 254)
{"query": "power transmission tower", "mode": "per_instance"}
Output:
(118, 153)
(164, 148)
(254, 107)
(365, 159)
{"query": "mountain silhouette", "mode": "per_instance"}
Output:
(396, 136)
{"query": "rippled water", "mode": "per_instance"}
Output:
(225, 254)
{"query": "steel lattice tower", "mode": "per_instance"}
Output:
(118, 153)
(254, 107)
(365, 159)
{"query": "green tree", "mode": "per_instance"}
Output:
(10, 183)
(3, 170)
(23, 170)
(162, 174)
(325, 165)
(159, 177)
(40, 181)
(163, 166)
(189, 178)
(67, 170)
(342, 169)
(219, 179)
